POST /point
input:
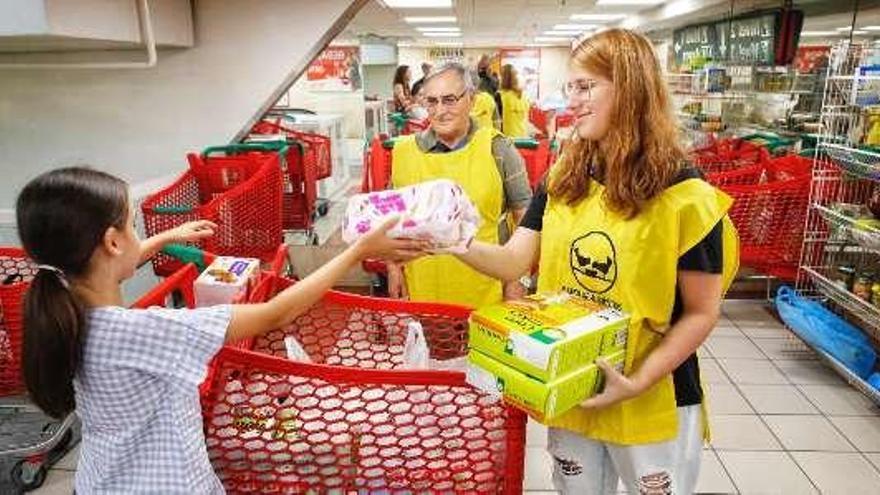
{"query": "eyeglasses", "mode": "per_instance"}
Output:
(580, 88)
(447, 100)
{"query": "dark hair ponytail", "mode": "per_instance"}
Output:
(62, 217)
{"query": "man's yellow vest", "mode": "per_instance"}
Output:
(444, 278)
(588, 250)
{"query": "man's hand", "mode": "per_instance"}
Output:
(618, 388)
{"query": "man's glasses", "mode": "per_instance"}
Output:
(446, 100)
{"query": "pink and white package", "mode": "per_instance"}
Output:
(438, 210)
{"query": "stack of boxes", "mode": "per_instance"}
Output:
(540, 353)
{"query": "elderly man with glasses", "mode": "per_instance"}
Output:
(485, 164)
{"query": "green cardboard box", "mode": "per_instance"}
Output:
(541, 400)
(548, 336)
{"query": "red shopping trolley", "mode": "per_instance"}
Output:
(241, 193)
(769, 212)
(319, 147)
(354, 420)
(536, 154)
(728, 154)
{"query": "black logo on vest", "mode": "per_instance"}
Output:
(593, 261)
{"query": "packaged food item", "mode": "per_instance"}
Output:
(875, 294)
(548, 335)
(846, 275)
(862, 286)
(542, 400)
(226, 280)
(438, 211)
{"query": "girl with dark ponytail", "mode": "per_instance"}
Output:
(132, 375)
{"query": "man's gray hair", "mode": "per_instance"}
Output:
(460, 70)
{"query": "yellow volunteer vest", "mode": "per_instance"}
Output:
(484, 109)
(515, 111)
(445, 278)
(632, 265)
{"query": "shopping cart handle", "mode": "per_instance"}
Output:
(172, 210)
(274, 146)
(525, 143)
(189, 254)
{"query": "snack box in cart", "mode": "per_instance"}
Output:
(226, 280)
(543, 401)
(548, 336)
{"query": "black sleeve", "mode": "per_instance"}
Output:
(706, 255)
(534, 216)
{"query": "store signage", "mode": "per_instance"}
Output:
(336, 69)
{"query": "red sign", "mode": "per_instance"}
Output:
(337, 68)
(811, 58)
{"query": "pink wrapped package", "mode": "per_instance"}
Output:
(438, 211)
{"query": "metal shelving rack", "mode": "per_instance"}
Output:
(844, 173)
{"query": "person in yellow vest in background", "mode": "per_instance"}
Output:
(485, 112)
(488, 168)
(623, 220)
(514, 104)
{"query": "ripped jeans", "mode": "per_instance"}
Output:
(586, 467)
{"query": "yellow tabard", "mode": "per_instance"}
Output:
(484, 109)
(588, 250)
(515, 111)
(444, 278)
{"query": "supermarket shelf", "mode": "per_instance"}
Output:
(861, 163)
(867, 313)
(869, 238)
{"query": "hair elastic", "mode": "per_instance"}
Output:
(58, 272)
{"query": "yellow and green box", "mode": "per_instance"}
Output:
(541, 400)
(548, 336)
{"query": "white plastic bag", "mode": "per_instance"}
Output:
(438, 211)
(295, 351)
(415, 348)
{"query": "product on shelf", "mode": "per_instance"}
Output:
(439, 211)
(548, 335)
(225, 281)
(862, 285)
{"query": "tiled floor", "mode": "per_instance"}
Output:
(782, 422)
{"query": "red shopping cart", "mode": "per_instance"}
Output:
(31, 441)
(728, 154)
(319, 147)
(241, 193)
(536, 153)
(354, 420)
(769, 212)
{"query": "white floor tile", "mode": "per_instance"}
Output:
(785, 348)
(539, 469)
(839, 473)
(713, 478)
(58, 482)
(726, 331)
(839, 400)
(803, 372)
(763, 331)
(875, 459)
(808, 433)
(536, 434)
(703, 351)
(777, 399)
(69, 461)
(741, 433)
(752, 372)
(862, 431)
(733, 347)
(765, 473)
(711, 373)
(726, 399)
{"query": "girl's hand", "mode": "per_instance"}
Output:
(618, 388)
(192, 231)
(377, 244)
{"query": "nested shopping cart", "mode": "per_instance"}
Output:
(729, 154)
(354, 419)
(769, 212)
(240, 192)
(31, 441)
(536, 154)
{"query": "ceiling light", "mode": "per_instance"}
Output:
(418, 4)
(537, 45)
(845, 28)
(629, 2)
(871, 28)
(448, 43)
(598, 17)
(550, 39)
(442, 35)
(555, 32)
(575, 27)
(820, 33)
(430, 19)
(438, 29)
(859, 32)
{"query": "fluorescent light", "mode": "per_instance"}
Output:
(448, 43)
(438, 29)
(574, 27)
(442, 35)
(599, 17)
(537, 45)
(858, 32)
(554, 32)
(418, 4)
(550, 39)
(629, 2)
(845, 28)
(871, 28)
(820, 33)
(430, 19)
